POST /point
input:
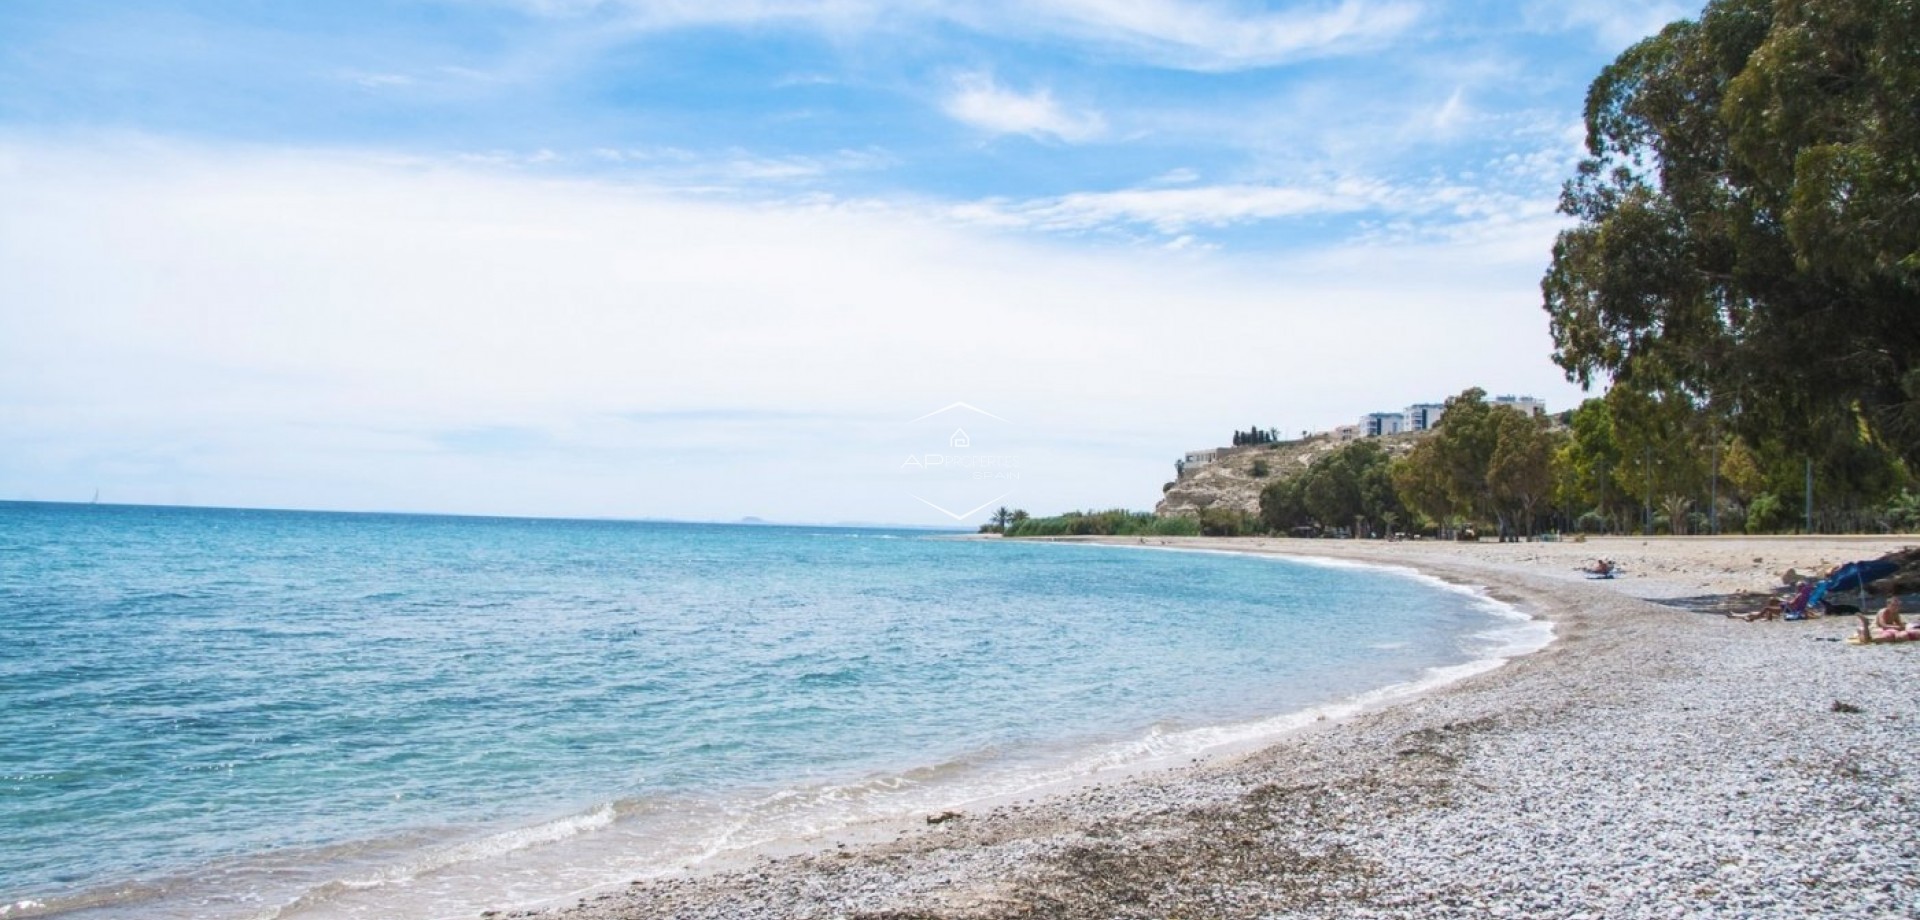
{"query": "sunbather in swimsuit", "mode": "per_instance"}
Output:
(1887, 626)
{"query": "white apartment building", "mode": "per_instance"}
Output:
(1375, 424)
(1526, 404)
(1424, 416)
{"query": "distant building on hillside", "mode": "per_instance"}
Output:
(1375, 424)
(1195, 459)
(1424, 416)
(1526, 404)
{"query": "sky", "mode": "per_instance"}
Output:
(841, 260)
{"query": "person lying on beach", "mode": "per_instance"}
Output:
(1775, 609)
(1887, 626)
(1600, 567)
(1771, 611)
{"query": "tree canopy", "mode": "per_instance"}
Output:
(1748, 245)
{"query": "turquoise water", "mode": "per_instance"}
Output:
(225, 713)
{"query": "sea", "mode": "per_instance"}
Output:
(214, 713)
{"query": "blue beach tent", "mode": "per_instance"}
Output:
(1852, 576)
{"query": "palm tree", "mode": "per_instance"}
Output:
(1675, 507)
(1001, 518)
(1390, 518)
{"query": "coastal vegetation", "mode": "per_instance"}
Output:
(1621, 463)
(1625, 462)
(1117, 522)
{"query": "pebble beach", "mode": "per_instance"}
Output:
(1657, 759)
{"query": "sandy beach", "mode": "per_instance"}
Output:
(1656, 760)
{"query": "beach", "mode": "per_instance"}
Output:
(1658, 759)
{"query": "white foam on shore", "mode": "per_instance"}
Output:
(1522, 634)
(803, 818)
(555, 862)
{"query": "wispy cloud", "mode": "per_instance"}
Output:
(1188, 34)
(1175, 211)
(983, 103)
(1615, 24)
(1468, 209)
(1223, 36)
(1453, 113)
(1167, 210)
(377, 81)
(680, 167)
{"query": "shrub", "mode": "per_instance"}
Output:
(1591, 522)
(1903, 512)
(1226, 522)
(1117, 522)
(1768, 514)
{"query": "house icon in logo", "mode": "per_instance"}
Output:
(960, 438)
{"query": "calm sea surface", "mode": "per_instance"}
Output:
(223, 713)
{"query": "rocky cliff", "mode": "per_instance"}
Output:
(1229, 482)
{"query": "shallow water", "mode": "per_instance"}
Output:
(216, 713)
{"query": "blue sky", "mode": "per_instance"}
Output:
(708, 259)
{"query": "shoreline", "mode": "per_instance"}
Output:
(1476, 797)
(1510, 632)
(427, 881)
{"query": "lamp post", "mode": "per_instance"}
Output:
(1713, 496)
(1809, 493)
(1646, 522)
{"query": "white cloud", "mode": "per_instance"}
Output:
(979, 101)
(1195, 34)
(324, 330)
(1615, 24)
(1452, 114)
(1226, 36)
(683, 168)
(1175, 210)
(1429, 208)
(378, 81)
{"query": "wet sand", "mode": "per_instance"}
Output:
(1657, 760)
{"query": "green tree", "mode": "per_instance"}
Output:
(1348, 484)
(1663, 444)
(1586, 461)
(1520, 469)
(1281, 508)
(1445, 476)
(1417, 481)
(1748, 234)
